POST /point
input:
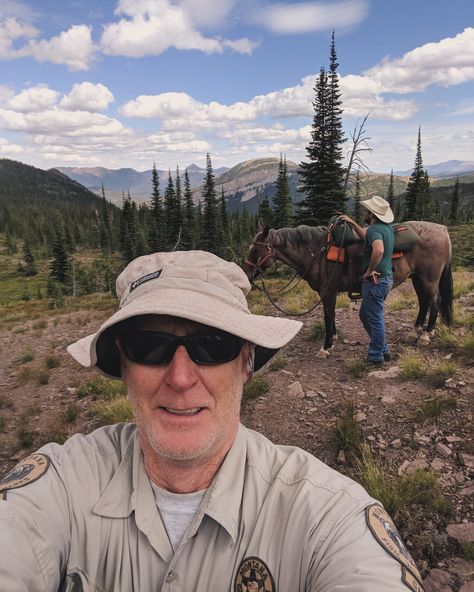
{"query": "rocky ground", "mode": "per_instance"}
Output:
(301, 408)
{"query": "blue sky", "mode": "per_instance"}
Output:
(123, 83)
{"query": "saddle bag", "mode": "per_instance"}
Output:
(342, 234)
(405, 237)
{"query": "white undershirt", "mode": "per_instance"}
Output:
(177, 511)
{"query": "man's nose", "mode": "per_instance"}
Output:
(182, 372)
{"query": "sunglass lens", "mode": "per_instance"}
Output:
(150, 349)
(215, 348)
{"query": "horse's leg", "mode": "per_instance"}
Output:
(329, 305)
(423, 305)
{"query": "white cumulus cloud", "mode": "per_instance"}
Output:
(11, 30)
(7, 149)
(152, 27)
(87, 96)
(35, 98)
(446, 62)
(304, 17)
(73, 47)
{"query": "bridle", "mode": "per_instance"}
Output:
(268, 254)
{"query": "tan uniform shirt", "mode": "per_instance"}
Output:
(274, 519)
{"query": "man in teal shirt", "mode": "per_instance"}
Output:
(377, 278)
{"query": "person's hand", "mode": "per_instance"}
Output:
(371, 276)
(346, 218)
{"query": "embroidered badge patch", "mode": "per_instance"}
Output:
(253, 576)
(28, 470)
(385, 531)
(409, 580)
(145, 278)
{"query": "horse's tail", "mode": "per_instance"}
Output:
(446, 293)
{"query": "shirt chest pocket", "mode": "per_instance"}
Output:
(78, 581)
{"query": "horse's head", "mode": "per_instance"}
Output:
(260, 256)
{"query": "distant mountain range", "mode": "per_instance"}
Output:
(246, 184)
(119, 181)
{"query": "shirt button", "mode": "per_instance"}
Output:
(170, 577)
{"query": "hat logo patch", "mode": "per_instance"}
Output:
(27, 471)
(145, 278)
(253, 576)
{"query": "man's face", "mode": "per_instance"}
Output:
(367, 217)
(185, 411)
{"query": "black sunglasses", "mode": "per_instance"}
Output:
(155, 348)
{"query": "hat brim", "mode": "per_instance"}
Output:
(388, 217)
(269, 334)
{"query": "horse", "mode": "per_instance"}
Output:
(304, 248)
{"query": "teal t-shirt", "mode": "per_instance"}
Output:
(383, 232)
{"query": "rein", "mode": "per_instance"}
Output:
(314, 257)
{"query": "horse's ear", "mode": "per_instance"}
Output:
(265, 231)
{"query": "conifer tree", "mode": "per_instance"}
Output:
(188, 234)
(418, 193)
(265, 212)
(390, 191)
(128, 229)
(322, 178)
(30, 265)
(60, 267)
(454, 209)
(224, 215)
(282, 206)
(105, 231)
(172, 214)
(155, 227)
(211, 234)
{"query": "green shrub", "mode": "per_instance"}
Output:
(43, 377)
(279, 363)
(412, 366)
(343, 301)
(347, 431)
(441, 370)
(52, 362)
(114, 410)
(434, 407)
(317, 331)
(258, 387)
(25, 438)
(357, 368)
(102, 388)
(27, 356)
(70, 414)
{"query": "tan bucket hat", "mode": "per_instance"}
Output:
(193, 285)
(380, 208)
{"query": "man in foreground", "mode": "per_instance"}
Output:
(377, 276)
(188, 499)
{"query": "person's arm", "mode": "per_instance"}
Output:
(34, 535)
(353, 559)
(375, 257)
(359, 230)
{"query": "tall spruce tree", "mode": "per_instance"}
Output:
(105, 231)
(60, 267)
(265, 212)
(418, 193)
(155, 225)
(322, 178)
(30, 266)
(171, 214)
(454, 208)
(224, 215)
(282, 205)
(211, 233)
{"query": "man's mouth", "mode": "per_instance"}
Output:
(191, 411)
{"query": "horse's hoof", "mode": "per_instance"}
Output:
(412, 336)
(323, 353)
(424, 339)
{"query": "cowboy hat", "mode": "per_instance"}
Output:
(193, 285)
(379, 208)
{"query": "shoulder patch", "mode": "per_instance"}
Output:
(28, 470)
(386, 533)
(253, 576)
(409, 580)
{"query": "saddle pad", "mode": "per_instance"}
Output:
(405, 237)
(335, 254)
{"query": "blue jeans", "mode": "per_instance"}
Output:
(371, 315)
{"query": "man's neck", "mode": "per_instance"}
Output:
(180, 476)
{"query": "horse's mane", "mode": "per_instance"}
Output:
(296, 237)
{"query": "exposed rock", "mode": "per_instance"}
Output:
(453, 439)
(459, 476)
(469, 490)
(462, 532)
(403, 467)
(288, 372)
(468, 587)
(322, 395)
(392, 372)
(450, 384)
(296, 390)
(388, 400)
(438, 580)
(437, 464)
(311, 394)
(416, 465)
(341, 457)
(360, 416)
(467, 460)
(71, 390)
(443, 450)
(396, 443)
